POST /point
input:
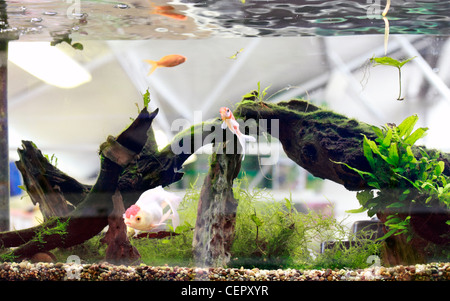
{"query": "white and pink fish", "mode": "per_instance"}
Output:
(152, 211)
(230, 122)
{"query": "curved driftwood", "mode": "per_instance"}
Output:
(314, 137)
(91, 214)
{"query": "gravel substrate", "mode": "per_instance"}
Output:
(108, 272)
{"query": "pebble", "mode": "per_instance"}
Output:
(59, 271)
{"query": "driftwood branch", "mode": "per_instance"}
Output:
(216, 216)
(91, 214)
(314, 137)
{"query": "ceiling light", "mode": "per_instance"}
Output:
(48, 63)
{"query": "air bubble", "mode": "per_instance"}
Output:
(36, 20)
(209, 13)
(122, 6)
(161, 29)
(79, 15)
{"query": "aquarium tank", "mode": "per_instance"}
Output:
(236, 140)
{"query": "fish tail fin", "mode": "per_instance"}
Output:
(242, 139)
(154, 65)
(173, 203)
(249, 138)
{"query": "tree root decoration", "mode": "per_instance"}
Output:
(216, 217)
(119, 250)
(314, 137)
(91, 214)
(45, 183)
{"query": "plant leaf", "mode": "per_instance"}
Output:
(396, 205)
(387, 139)
(418, 134)
(411, 156)
(407, 125)
(386, 61)
(406, 61)
(393, 154)
(359, 210)
(258, 222)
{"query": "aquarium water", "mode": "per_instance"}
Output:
(75, 72)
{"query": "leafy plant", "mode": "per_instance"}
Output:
(52, 159)
(257, 94)
(8, 256)
(400, 178)
(146, 98)
(388, 61)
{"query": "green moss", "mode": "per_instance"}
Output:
(60, 228)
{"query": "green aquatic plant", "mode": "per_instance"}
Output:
(52, 159)
(257, 95)
(8, 256)
(146, 98)
(59, 229)
(401, 177)
(274, 234)
(388, 61)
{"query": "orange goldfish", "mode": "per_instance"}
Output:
(167, 11)
(166, 61)
(230, 122)
(148, 212)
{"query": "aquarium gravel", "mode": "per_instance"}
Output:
(25, 271)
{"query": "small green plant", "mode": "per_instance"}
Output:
(52, 159)
(400, 178)
(8, 256)
(388, 61)
(146, 98)
(59, 229)
(257, 94)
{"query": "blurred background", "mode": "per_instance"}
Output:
(67, 101)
